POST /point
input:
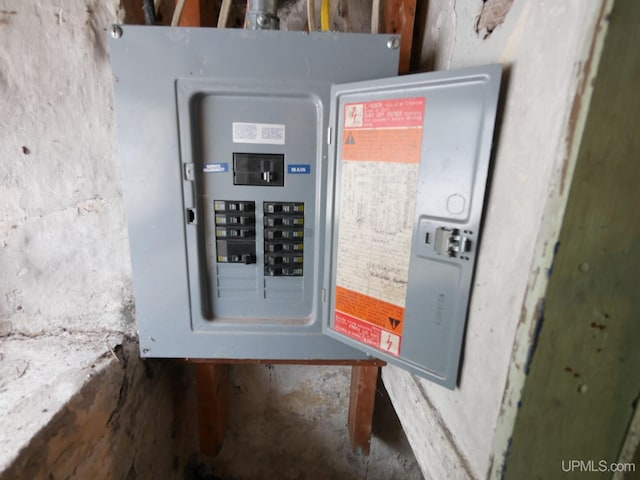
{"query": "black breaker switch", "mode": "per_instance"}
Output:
(260, 169)
(235, 231)
(284, 239)
(236, 251)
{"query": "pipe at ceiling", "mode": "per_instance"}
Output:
(262, 15)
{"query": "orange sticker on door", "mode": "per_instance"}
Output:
(384, 131)
(380, 154)
(373, 310)
(402, 145)
(368, 334)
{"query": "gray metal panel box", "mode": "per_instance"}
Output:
(178, 93)
(232, 144)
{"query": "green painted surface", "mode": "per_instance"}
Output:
(584, 378)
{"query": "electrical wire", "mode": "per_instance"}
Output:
(223, 18)
(149, 12)
(375, 16)
(325, 15)
(311, 15)
(177, 13)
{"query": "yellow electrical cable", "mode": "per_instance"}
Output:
(325, 16)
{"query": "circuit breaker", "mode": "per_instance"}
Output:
(289, 197)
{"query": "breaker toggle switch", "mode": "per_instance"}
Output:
(223, 205)
(222, 219)
(284, 247)
(271, 221)
(282, 271)
(283, 207)
(234, 232)
(259, 169)
(236, 251)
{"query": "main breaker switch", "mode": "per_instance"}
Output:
(260, 169)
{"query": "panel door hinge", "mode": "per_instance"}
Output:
(329, 139)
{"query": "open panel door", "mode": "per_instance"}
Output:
(409, 160)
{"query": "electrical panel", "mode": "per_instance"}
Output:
(289, 197)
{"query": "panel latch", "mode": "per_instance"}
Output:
(451, 242)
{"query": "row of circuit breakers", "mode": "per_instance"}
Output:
(283, 235)
(289, 197)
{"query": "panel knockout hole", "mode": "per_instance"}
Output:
(192, 218)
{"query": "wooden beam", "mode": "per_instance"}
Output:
(212, 384)
(198, 13)
(361, 402)
(213, 398)
(398, 17)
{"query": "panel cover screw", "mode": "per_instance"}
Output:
(116, 31)
(393, 42)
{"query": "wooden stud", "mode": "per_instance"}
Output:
(398, 17)
(361, 401)
(198, 13)
(212, 383)
(213, 391)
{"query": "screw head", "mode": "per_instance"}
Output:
(262, 20)
(393, 43)
(115, 31)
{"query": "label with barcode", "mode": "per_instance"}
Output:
(262, 133)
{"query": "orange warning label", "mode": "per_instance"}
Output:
(393, 113)
(369, 309)
(401, 145)
(388, 132)
(368, 334)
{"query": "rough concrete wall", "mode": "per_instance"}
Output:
(122, 423)
(547, 50)
(67, 407)
(38, 377)
(63, 243)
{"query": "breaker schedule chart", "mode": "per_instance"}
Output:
(381, 153)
